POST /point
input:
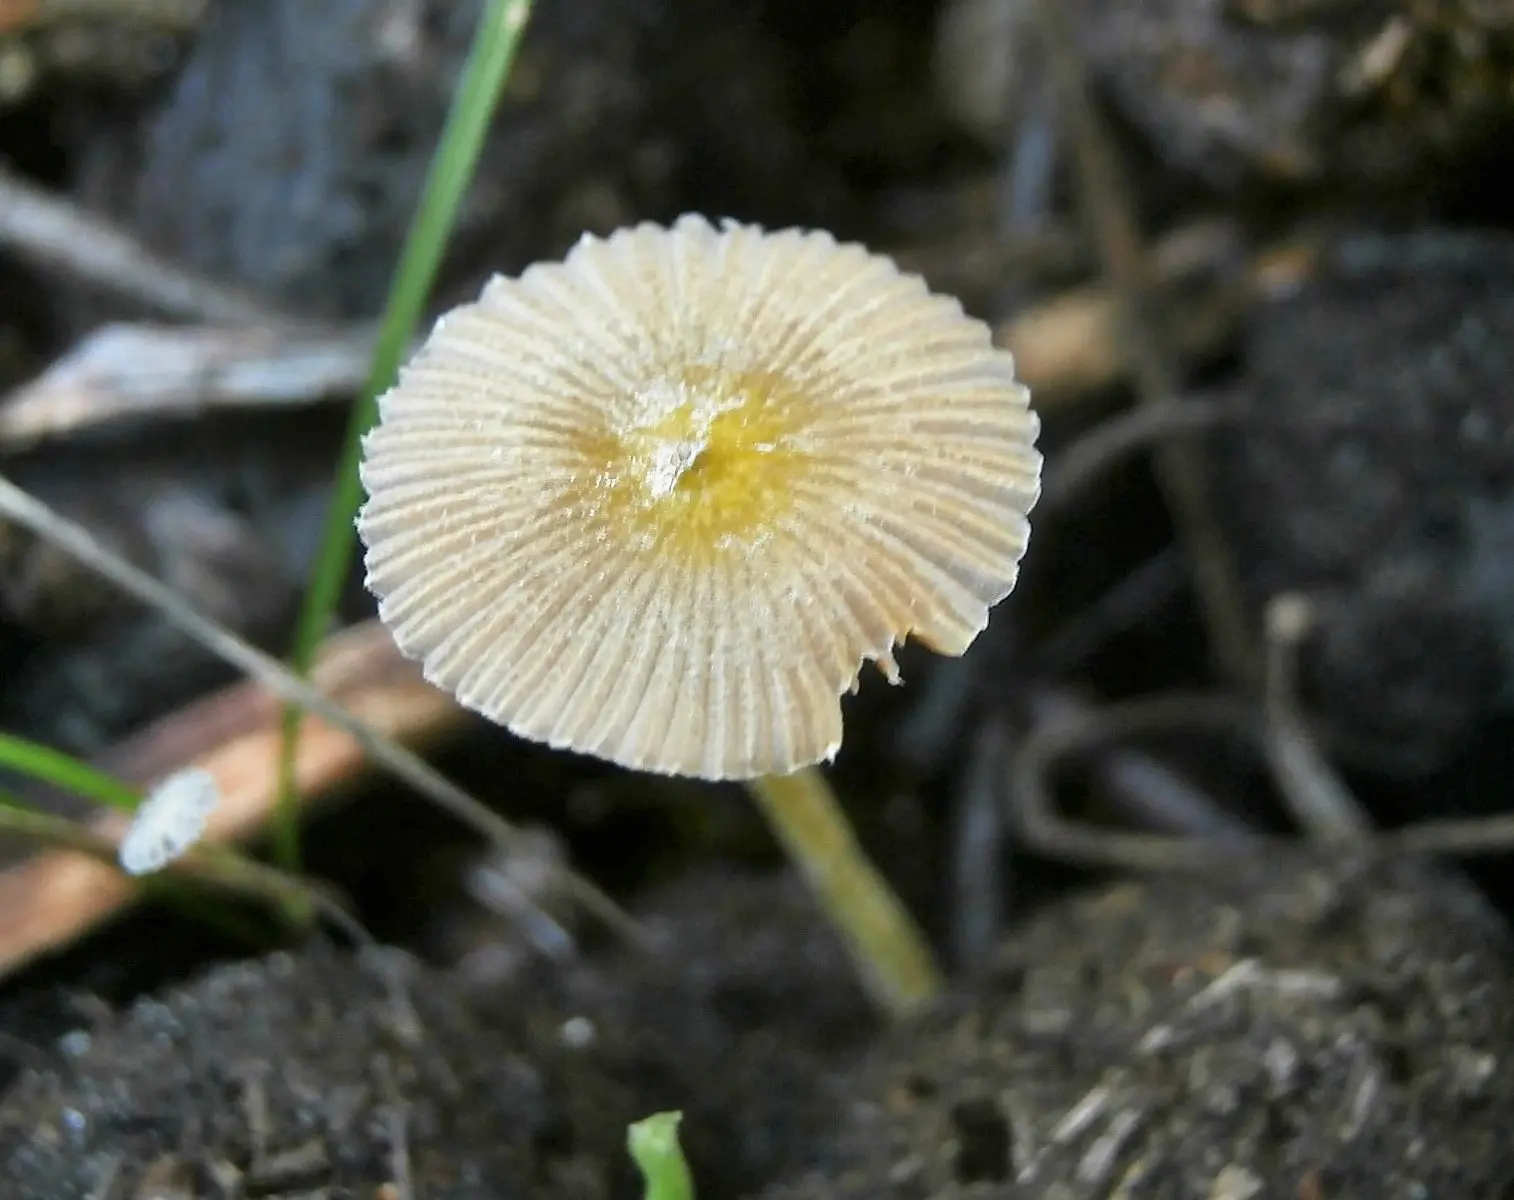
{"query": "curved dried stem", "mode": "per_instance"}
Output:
(1315, 794)
(1042, 828)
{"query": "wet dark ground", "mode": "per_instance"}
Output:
(325, 1068)
(1317, 1028)
(1311, 1026)
(1296, 1029)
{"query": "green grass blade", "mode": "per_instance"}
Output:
(654, 1147)
(47, 765)
(490, 58)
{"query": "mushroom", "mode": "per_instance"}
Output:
(660, 501)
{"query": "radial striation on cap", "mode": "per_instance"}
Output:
(659, 502)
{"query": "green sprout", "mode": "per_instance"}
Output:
(654, 1147)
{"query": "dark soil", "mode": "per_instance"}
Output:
(318, 1071)
(332, 1070)
(1378, 477)
(1296, 1029)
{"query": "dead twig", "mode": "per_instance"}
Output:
(1037, 822)
(1317, 797)
(1110, 214)
(24, 509)
(1138, 785)
(1040, 826)
(120, 372)
(57, 235)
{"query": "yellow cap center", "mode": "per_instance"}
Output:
(708, 465)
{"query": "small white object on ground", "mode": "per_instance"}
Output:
(169, 821)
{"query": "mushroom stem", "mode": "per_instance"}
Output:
(895, 960)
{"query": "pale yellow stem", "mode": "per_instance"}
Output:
(895, 960)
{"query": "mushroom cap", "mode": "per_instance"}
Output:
(660, 501)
